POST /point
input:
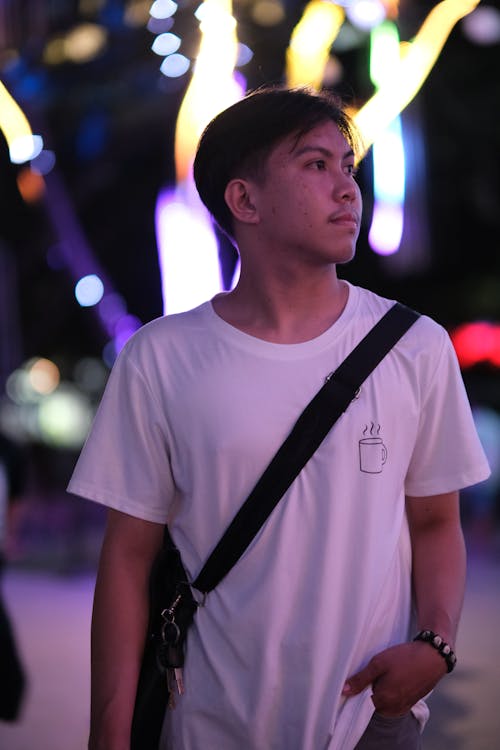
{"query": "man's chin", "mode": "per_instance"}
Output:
(346, 257)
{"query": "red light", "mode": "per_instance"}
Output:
(477, 342)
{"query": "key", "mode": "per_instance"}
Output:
(171, 685)
(179, 680)
(175, 684)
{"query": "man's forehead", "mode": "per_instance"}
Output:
(326, 136)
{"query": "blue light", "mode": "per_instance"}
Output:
(245, 54)
(92, 135)
(175, 65)
(89, 290)
(159, 25)
(163, 8)
(44, 162)
(166, 44)
(389, 164)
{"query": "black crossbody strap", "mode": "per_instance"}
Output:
(308, 433)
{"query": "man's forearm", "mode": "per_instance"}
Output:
(439, 562)
(116, 648)
(119, 623)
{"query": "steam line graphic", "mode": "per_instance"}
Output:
(373, 431)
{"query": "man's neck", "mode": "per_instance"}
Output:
(287, 311)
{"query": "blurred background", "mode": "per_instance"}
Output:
(101, 103)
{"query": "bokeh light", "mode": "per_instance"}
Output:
(163, 8)
(366, 14)
(89, 290)
(64, 417)
(175, 65)
(166, 44)
(44, 376)
(31, 185)
(90, 375)
(85, 42)
(483, 25)
(268, 12)
(44, 162)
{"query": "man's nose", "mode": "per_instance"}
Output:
(347, 190)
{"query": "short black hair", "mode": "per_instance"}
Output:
(237, 142)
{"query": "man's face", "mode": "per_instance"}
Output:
(309, 203)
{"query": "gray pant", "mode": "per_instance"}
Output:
(383, 733)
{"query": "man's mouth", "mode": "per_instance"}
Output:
(345, 218)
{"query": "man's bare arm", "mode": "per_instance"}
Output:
(119, 622)
(439, 561)
(403, 674)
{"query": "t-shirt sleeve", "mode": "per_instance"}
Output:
(447, 455)
(124, 463)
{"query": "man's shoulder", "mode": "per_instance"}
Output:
(378, 305)
(425, 334)
(170, 327)
(165, 339)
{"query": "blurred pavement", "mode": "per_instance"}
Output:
(52, 613)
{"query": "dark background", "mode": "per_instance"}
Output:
(110, 123)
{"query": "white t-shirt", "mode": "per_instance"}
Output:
(192, 414)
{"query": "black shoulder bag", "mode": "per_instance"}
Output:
(172, 605)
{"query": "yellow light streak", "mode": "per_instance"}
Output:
(13, 121)
(310, 43)
(212, 87)
(414, 66)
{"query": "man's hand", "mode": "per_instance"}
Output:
(399, 676)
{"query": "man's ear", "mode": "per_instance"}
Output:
(238, 196)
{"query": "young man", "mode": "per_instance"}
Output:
(307, 642)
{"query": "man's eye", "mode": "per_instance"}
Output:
(352, 170)
(319, 164)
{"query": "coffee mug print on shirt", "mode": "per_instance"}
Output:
(372, 451)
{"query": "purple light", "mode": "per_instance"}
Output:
(387, 228)
(125, 328)
(111, 308)
(187, 250)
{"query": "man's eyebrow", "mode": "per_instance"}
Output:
(322, 150)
